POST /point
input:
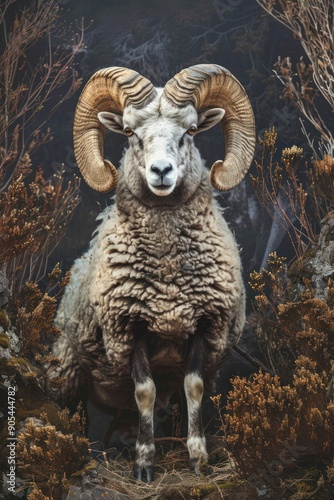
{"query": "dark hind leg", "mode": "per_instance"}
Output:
(145, 397)
(194, 388)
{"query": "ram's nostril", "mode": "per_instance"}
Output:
(161, 170)
(155, 169)
(167, 169)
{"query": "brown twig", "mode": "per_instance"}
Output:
(281, 193)
(252, 360)
(33, 217)
(311, 21)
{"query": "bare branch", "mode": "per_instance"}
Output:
(312, 22)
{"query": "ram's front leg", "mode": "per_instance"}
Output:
(194, 388)
(145, 398)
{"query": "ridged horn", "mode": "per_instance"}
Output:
(109, 89)
(210, 86)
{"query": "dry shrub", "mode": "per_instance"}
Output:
(322, 185)
(48, 456)
(274, 422)
(26, 359)
(281, 193)
(34, 319)
(32, 312)
(310, 87)
(28, 86)
(297, 201)
(37, 494)
(33, 211)
(34, 206)
(259, 420)
(292, 322)
(33, 219)
(264, 418)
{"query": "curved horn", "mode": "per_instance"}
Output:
(109, 89)
(209, 86)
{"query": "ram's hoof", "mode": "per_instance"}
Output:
(194, 466)
(141, 473)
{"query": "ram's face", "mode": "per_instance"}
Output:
(161, 142)
(161, 147)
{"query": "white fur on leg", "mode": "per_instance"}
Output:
(197, 448)
(194, 388)
(145, 448)
(145, 397)
(145, 454)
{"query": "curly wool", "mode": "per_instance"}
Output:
(164, 271)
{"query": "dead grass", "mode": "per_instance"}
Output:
(173, 478)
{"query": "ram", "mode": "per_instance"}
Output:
(158, 298)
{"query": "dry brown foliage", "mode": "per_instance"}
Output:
(322, 185)
(33, 219)
(33, 213)
(274, 422)
(280, 191)
(296, 205)
(291, 324)
(33, 316)
(49, 455)
(265, 417)
(32, 312)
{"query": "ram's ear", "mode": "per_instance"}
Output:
(209, 118)
(112, 121)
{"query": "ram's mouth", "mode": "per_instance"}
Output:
(161, 189)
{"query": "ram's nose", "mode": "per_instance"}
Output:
(161, 168)
(161, 176)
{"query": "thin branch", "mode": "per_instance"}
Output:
(253, 361)
(312, 22)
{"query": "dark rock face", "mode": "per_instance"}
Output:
(321, 265)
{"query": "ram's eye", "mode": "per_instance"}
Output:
(128, 131)
(192, 130)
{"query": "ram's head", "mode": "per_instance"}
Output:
(161, 125)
